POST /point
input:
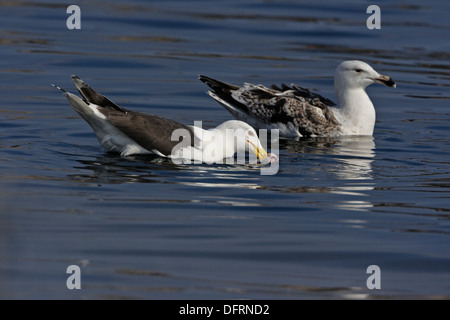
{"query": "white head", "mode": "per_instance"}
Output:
(241, 138)
(354, 74)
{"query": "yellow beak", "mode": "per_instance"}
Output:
(261, 154)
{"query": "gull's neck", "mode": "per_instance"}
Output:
(356, 112)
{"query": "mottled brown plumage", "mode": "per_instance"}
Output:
(291, 108)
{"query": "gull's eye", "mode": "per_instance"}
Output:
(359, 70)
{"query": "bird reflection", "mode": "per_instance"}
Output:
(111, 168)
(340, 166)
(350, 164)
(114, 169)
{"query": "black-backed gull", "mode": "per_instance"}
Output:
(129, 132)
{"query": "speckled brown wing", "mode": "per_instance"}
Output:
(295, 110)
(309, 113)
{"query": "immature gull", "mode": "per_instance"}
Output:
(298, 112)
(130, 132)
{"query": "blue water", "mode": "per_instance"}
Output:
(145, 228)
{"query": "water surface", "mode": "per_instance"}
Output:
(145, 228)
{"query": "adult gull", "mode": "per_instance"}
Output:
(298, 112)
(129, 132)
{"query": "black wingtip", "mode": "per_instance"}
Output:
(210, 81)
(59, 88)
(204, 79)
(217, 85)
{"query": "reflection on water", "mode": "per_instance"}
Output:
(349, 161)
(340, 166)
(112, 169)
(353, 154)
(345, 163)
(356, 155)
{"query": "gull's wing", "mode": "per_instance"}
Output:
(114, 123)
(295, 110)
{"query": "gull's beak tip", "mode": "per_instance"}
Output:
(271, 158)
(386, 80)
